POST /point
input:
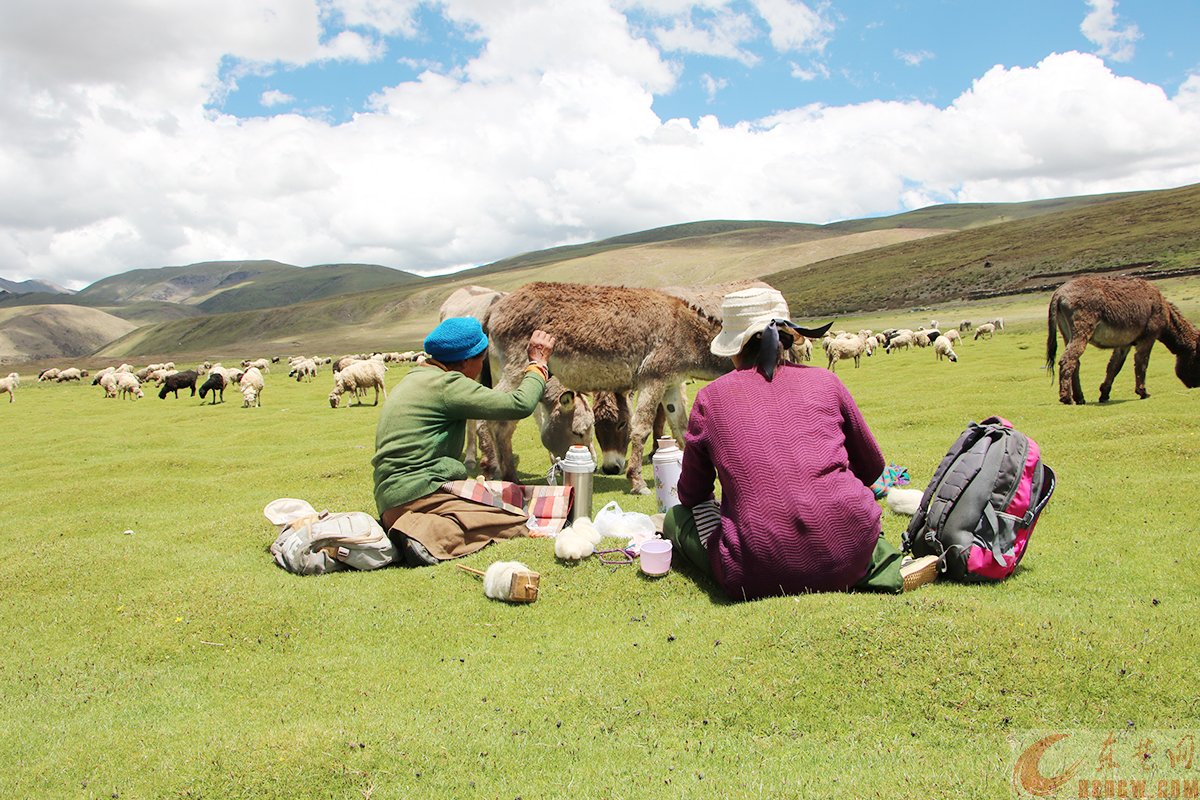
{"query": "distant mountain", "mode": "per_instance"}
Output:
(54, 331)
(219, 286)
(27, 287)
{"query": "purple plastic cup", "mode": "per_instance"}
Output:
(655, 557)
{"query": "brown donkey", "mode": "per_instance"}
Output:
(1117, 314)
(610, 338)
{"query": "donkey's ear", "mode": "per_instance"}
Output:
(566, 401)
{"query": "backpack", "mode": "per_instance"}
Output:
(982, 503)
(312, 543)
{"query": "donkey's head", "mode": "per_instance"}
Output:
(612, 413)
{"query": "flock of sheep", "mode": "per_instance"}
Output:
(842, 345)
(353, 374)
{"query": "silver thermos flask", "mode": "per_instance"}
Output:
(577, 470)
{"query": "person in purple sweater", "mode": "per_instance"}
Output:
(795, 460)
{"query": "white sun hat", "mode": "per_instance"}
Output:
(745, 313)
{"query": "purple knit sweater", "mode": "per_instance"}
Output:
(795, 459)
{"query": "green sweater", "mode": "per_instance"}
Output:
(422, 429)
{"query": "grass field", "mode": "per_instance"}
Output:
(178, 661)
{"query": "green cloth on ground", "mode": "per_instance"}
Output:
(422, 429)
(679, 526)
(883, 571)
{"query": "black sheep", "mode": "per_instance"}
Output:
(215, 384)
(178, 380)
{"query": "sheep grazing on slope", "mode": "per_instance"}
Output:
(252, 387)
(344, 362)
(48, 374)
(305, 368)
(106, 371)
(216, 383)
(356, 378)
(965, 325)
(844, 347)
(899, 341)
(71, 374)
(128, 385)
(108, 382)
(986, 330)
(943, 349)
(179, 380)
(261, 364)
(9, 385)
(952, 335)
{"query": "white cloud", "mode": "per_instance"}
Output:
(810, 73)
(1100, 28)
(913, 58)
(723, 35)
(712, 85)
(547, 136)
(794, 25)
(274, 97)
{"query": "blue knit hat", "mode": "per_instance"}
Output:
(456, 339)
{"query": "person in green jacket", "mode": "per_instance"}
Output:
(420, 437)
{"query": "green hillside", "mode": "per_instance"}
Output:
(1148, 233)
(220, 286)
(299, 285)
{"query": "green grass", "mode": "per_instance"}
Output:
(178, 661)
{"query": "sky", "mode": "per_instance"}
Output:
(433, 136)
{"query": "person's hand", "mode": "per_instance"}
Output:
(541, 345)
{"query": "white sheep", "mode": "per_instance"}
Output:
(952, 335)
(802, 349)
(48, 374)
(251, 384)
(843, 347)
(261, 364)
(125, 368)
(9, 385)
(999, 323)
(943, 349)
(356, 378)
(108, 382)
(305, 368)
(129, 386)
(71, 374)
(900, 341)
(986, 330)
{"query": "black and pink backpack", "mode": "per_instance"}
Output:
(982, 503)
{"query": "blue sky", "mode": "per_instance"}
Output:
(927, 50)
(434, 136)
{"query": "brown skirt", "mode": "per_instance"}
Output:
(450, 526)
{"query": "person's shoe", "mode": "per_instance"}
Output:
(919, 571)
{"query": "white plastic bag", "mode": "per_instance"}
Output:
(634, 526)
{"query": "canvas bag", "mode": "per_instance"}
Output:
(982, 504)
(312, 543)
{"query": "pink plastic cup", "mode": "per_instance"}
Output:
(655, 557)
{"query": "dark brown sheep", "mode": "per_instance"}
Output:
(1117, 314)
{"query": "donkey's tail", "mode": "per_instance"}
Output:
(1052, 335)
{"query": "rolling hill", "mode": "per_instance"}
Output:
(50, 331)
(937, 254)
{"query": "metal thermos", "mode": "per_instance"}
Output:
(668, 466)
(577, 470)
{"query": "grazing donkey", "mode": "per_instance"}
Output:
(1117, 314)
(610, 338)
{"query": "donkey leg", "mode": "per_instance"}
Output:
(649, 396)
(1069, 389)
(1141, 359)
(471, 456)
(1114, 366)
(674, 402)
(504, 466)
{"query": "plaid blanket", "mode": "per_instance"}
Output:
(546, 507)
